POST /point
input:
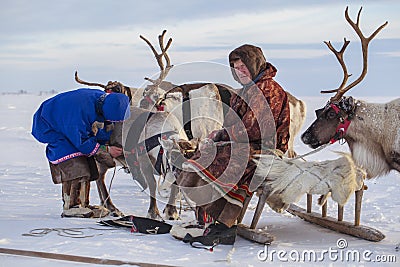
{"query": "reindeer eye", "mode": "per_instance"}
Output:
(331, 115)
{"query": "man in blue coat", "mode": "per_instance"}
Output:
(67, 124)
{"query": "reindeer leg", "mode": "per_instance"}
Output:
(147, 170)
(170, 211)
(104, 195)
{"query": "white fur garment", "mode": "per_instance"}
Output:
(289, 179)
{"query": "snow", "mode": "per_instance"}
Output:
(29, 200)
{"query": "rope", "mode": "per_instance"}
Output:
(311, 152)
(109, 193)
(124, 167)
(72, 232)
(158, 186)
(65, 232)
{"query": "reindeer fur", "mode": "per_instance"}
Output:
(374, 137)
(298, 111)
(289, 179)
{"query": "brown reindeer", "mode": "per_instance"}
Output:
(371, 130)
(197, 105)
(151, 125)
(167, 96)
(115, 86)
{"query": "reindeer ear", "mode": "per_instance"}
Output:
(347, 104)
(318, 112)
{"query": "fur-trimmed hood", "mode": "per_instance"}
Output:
(116, 107)
(253, 57)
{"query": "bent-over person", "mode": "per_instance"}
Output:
(73, 124)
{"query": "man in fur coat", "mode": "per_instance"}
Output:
(258, 120)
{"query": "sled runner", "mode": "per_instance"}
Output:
(353, 229)
(255, 235)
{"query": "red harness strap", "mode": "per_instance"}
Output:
(342, 127)
(150, 101)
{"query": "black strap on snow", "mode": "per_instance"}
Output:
(139, 224)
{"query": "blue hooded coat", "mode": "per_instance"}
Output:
(65, 121)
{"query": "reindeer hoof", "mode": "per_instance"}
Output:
(154, 216)
(116, 213)
(99, 211)
(77, 212)
(170, 213)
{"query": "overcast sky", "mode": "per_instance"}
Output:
(43, 42)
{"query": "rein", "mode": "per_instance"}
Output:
(311, 152)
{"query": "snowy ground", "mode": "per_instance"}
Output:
(29, 200)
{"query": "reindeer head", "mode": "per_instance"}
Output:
(115, 86)
(155, 92)
(333, 120)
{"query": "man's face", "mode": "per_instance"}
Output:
(242, 71)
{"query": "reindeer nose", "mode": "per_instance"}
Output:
(305, 137)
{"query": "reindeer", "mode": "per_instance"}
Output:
(298, 111)
(152, 125)
(165, 95)
(371, 130)
(115, 86)
(143, 152)
(198, 106)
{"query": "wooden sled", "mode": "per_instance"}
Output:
(353, 229)
(250, 232)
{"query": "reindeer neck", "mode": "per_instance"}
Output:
(367, 122)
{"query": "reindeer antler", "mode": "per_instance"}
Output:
(88, 83)
(339, 55)
(159, 57)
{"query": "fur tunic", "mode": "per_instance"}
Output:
(258, 120)
(250, 119)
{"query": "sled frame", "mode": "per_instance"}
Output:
(335, 224)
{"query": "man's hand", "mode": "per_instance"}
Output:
(115, 151)
(214, 135)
